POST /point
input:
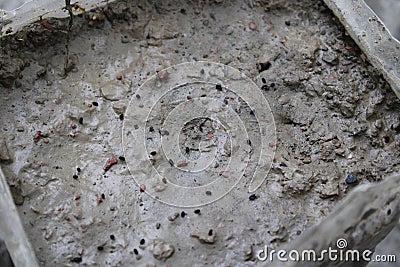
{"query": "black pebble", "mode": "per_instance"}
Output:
(272, 85)
(252, 197)
(153, 153)
(208, 193)
(197, 211)
(183, 214)
(151, 129)
(121, 158)
(142, 241)
(218, 87)
(287, 23)
(78, 169)
(210, 232)
(187, 150)
(263, 80)
(112, 237)
(121, 117)
(350, 179)
(135, 251)
(94, 103)
(80, 120)
(76, 259)
(75, 176)
(103, 196)
(158, 225)
(100, 248)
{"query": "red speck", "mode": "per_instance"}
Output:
(45, 24)
(37, 136)
(189, 97)
(99, 200)
(272, 144)
(303, 128)
(89, 105)
(347, 47)
(209, 136)
(119, 77)
(111, 161)
(252, 26)
(162, 74)
(223, 174)
(181, 163)
(77, 197)
(67, 218)
(73, 125)
(142, 187)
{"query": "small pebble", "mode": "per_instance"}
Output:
(78, 169)
(94, 103)
(111, 161)
(208, 193)
(218, 87)
(80, 120)
(350, 179)
(112, 237)
(119, 77)
(20, 129)
(103, 196)
(142, 188)
(121, 158)
(197, 211)
(75, 176)
(252, 26)
(135, 251)
(121, 117)
(158, 225)
(142, 241)
(37, 136)
(183, 214)
(173, 217)
(77, 197)
(100, 248)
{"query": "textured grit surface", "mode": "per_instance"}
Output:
(64, 96)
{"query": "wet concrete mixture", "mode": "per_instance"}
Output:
(65, 92)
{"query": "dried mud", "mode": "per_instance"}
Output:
(335, 116)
